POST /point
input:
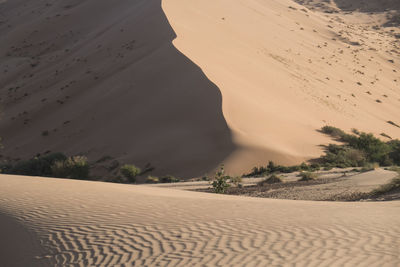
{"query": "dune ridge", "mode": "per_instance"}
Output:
(103, 79)
(285, 70)
(84, 223)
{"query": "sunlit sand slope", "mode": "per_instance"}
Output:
(285, 70)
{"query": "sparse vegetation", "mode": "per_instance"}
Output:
(169, 179)
(273, 179)
(359, 149)
(152, 180)
(307, 176)
(220, 183)
(273, 168)
(130, 172)
(76, 167)
(37, 166)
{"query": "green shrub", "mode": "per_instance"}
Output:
(369, 167)
(75, 167)
(273, 179)
(130, 172)
(394, 154)
(37, 166)
(333, 131)
(152, 180)
(169, 179)
(220, 183)
(307, 176)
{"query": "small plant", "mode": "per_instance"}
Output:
(75, 167)
(152, 180)
(273, 179)
(307, 176)
(169, 179)
(393, 185)
(220, 183)
(130, 172)
(236, 181)
(369, 167)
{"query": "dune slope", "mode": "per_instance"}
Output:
(285, 70)
(91, 224)
(102, 78)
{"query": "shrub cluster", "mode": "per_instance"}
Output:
(163, 179)
(75, 167)
(273, 179)
(273, 168)
(307, 176)
(359, 149)
(51, 165)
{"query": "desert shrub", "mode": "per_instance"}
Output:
(37, 166)
(393, 185)
(220, 183)
(152, 180)
(375, 149)
(273, 179)
(342, 156)
(169, 179)
(369, 167)
(75, 167)
(236, 180)
(130, 172)
(333, 131)
(274, 168)
(307, 176)
(394, 154)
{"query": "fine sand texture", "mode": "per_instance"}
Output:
(185, 85)
(82, 223)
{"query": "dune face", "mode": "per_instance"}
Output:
(285, 71)
(103, 78)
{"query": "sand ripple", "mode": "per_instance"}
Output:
(98, 224)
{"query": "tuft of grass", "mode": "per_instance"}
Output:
(273, 179)
(169, 179)
(152, 180)
(307, 176)
(369, 167)
(393, 185)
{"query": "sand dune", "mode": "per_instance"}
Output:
(104, 79)
(243, 82)
(83, 223)
(285, 70)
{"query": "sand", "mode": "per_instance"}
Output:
(84, 223)
(188, 85)
(285, 71)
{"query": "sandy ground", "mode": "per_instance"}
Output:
(187, 84)
(83, 223)
(336, 184)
